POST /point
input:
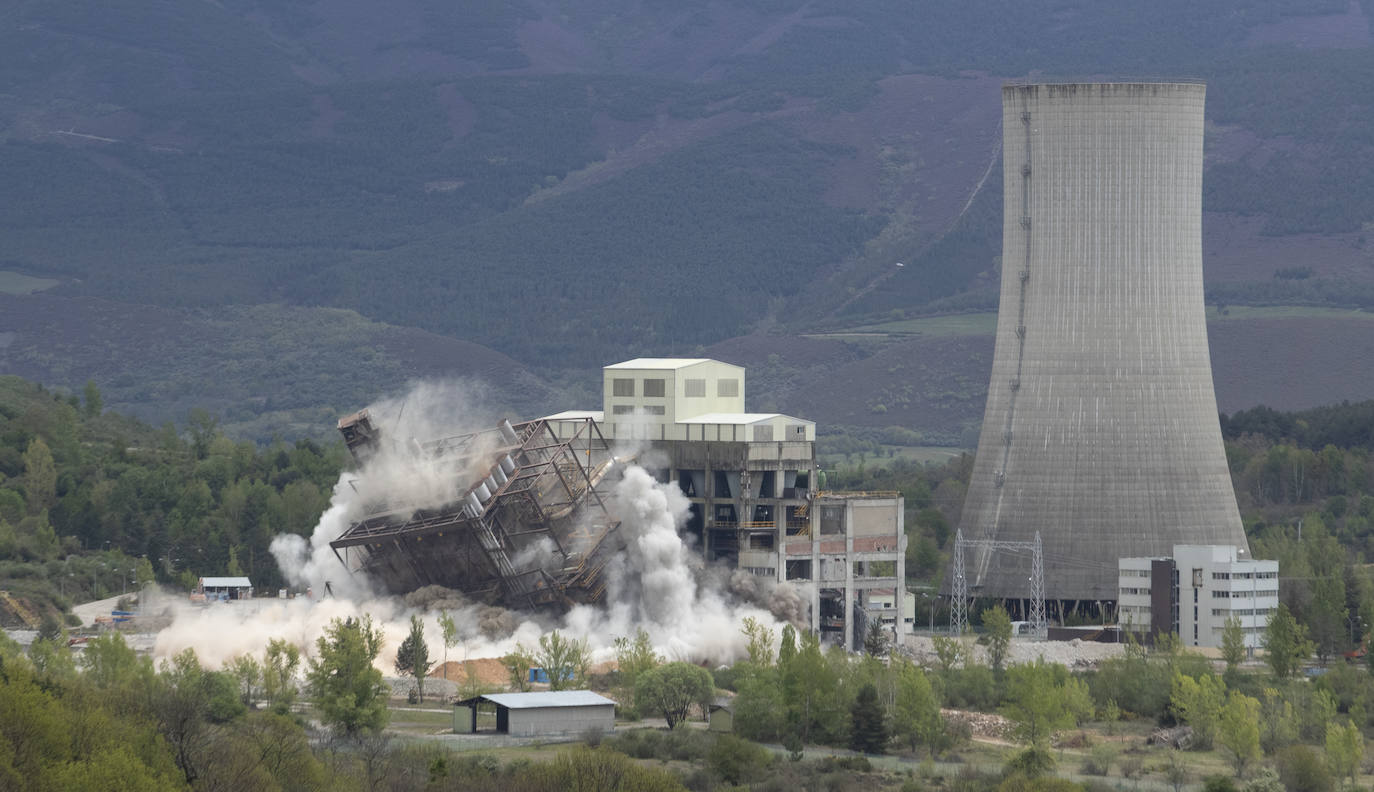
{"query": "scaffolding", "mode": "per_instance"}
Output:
(525, 526)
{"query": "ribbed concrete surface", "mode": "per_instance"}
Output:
(1110, 446)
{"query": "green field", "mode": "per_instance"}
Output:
(1234, 312)
(986, 323)
(14, 283)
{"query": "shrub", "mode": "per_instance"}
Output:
(737, 760)
(1031, 763)
(1099, 760)
(1302, 770)
(1218, 784)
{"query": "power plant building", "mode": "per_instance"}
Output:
(532, 521)
(1101, 431)
(752, 483)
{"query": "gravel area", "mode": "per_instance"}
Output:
(1075, 654)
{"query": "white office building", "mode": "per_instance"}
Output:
(1195, 591)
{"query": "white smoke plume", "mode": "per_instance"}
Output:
(658, 583)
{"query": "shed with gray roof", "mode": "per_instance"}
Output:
(550, 713)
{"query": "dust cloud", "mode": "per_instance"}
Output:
(659, 583)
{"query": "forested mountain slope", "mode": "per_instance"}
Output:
(570, 184)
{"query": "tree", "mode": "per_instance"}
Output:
(949, 653)
(187, 703)
(1198, 703)
(248, 674)
(1285, 643)
(1238, 730)
(760, 710)
(1232, 643)
(875, 640)
(1344, 750)
(759, 641)
(672, 689)
(279, 674)
(346, 688)
(1176, 771)
(1326, 613)
(1036, 701)
(449, 632)
(810, 690)
(94, 405)
(632, 658)
(40, 476)
(998, 626)
(412, 658)
(564, 659)
(518, 663)
(916, 716)
(1278, 726)
(869, 733)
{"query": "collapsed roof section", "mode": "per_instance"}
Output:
(525, 525)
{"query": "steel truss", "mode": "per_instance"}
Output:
(959, 597)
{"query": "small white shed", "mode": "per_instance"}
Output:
(539, 714)
(225, 588)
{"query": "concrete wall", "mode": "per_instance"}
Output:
(534, 721)
(1101, 427)
(675, 402)
(1214, 585)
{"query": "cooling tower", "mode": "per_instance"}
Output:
(1101, 429)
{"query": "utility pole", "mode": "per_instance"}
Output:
(958, 606)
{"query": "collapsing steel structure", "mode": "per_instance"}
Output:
(524, 525)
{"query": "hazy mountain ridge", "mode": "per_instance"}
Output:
(573, 183)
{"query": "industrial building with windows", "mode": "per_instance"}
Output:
(532, 520)
(1195, 591)
(751, 480)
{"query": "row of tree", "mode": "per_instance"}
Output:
(76, 480)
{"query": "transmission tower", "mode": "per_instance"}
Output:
(958, 606)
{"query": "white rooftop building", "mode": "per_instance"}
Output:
(1195, 591)
(752, 482)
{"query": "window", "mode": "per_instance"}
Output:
(653, 387)
(796, 431)
(654, 409)
(727, 387)
(1221, 576)
(693, 388)
(623, 409)
(622, 387)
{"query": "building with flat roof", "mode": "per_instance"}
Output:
(1195, 591)
(752, 483)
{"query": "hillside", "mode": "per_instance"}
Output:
(535, 185)
(931, 375)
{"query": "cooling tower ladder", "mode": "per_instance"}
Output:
(1024, 276)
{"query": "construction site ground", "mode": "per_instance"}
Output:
(1076, 654)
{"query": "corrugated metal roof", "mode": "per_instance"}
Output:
(662, 363)
(550, 698)
(225, 582)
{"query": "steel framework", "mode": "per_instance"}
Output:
(959, 599)
(526, 523)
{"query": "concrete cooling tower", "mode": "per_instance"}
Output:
(1101, 430)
